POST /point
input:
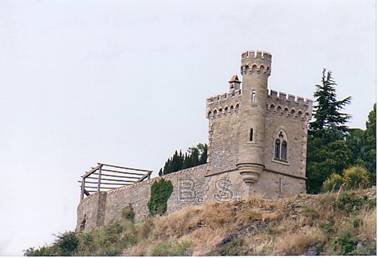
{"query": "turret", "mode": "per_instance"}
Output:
(255, 69)
(234, 83)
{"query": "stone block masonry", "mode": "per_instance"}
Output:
(257, 146)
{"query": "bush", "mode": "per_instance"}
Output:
(160, 192)
(65, 245)
(333, 183)
(128, 213)
(349, 202)
(42, 251)
(356, 177)
(345, 243)
(172, 249)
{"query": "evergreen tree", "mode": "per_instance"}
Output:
(328, 118)
(193, 157)
(203, 155)
(371, 151)
(327, 150)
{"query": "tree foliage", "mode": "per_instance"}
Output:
(370, 158)
(332, 146)
(328, 109)
(193, 157)
(356, 177)
(327, 150)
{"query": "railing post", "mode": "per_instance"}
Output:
(82, 188)
(99, 179)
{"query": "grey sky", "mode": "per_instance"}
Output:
(125, 82)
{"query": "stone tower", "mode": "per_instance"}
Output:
(257, 135)
(255, 69)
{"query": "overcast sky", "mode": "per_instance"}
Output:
(125, 82)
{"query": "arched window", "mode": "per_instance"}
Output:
(253, 96)
(277, 149)
(284, 150)
(251, 135)
(280, 147)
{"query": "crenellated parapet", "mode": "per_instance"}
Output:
(258, 62)
(224, 104)
(289, 105)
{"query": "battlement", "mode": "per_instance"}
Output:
(291, 105)
(257, 55)
(222, 97)
(223, 104)
(256, 62)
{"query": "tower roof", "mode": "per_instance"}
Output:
(234, 78)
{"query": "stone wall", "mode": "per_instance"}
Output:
(190, 187)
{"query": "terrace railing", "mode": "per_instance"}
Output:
(106, 177)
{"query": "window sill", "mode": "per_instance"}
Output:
(282, 162)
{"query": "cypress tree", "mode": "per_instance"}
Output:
(194, 156)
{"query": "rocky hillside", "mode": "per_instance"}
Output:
(326, 224)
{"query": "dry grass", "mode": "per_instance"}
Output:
(296, 243)
(204, 240)
(368, 225)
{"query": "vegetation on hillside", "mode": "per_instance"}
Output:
(332, 146)
(325, 224)
(194, 156)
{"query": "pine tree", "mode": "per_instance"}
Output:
(327, 113)
(327, 150)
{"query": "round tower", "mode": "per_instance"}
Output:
(255, 69)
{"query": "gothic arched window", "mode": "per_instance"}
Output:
(277, 149)
(284, 150)
(280, 147)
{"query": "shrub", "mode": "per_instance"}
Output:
(345, 243)
(356, 177)
(160, 192)
(42, 251)
(333, 183)
(172, 249)
(349, 202)
(128, 213)
(67, 244)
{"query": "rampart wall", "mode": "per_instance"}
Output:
(190, 187)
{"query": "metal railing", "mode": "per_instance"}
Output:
(106, 177)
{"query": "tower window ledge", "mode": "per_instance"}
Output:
(282, 162)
